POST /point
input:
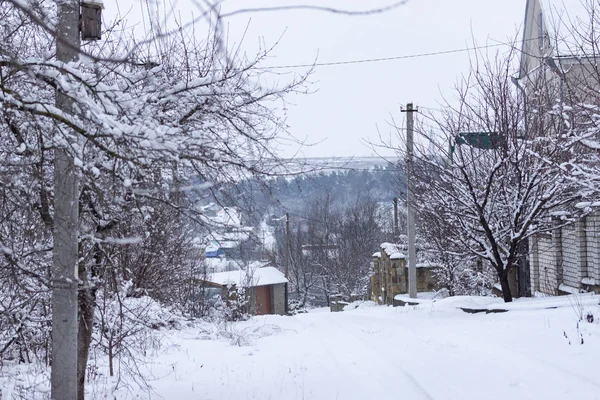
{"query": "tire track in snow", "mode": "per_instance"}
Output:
(343, 346)
(501, 353)
(351, 377)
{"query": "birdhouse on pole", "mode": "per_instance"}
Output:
(91, 19)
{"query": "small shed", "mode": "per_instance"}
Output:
(264, 287)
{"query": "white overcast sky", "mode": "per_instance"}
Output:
(351, 101)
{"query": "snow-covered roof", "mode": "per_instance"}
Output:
(212, 247)
(223, 217)
(392, 251)
(253, 276)
(228, 244)
(377, 255)
(222, 264)
(229, 217)
(215, 245)
(397, 256)
(428, 265)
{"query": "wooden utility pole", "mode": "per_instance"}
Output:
(410, 198)
(66, 219)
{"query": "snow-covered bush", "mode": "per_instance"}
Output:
(235, 307)
(24, 327)
(235, 333)
(127, 327)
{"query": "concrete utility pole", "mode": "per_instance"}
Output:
(65, 233)
(396, 217)
(287, 259)
(287, 245)
(412, 253)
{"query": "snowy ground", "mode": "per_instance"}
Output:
(431, 351)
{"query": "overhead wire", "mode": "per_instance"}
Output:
(383, 59)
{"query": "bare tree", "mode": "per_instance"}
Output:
(142, 134)
(487, 183)
(151, 119)
(331, 247)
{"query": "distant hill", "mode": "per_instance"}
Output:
(317, 164)
(342, 178)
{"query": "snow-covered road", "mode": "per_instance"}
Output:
(387, 353)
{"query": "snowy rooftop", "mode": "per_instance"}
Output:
(397, 256)
(253, 276)
(224, 217)
(428, 265)
(222, 264)
(392, 251)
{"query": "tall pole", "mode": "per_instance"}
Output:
(287, 245)
(396, 217)
(412, 254)
(65, 233)
(287, 258)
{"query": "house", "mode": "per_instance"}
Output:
(557, 52)
(567, 259)
(390, 275)
(549, 39)
(559, 55)
(228, 237)
(221, 248)
(263, 287)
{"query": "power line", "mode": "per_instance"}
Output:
(392, 58)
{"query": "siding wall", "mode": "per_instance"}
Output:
(548, 271)
(571, 257)
(592, 229)
(568, 256)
